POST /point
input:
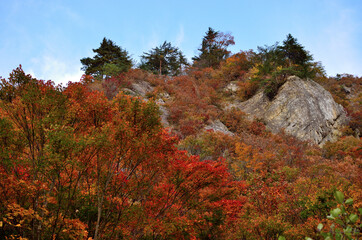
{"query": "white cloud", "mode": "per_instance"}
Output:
(337, 45)
(180, 36)
(341, 44)
(154, 40)
(48, 67)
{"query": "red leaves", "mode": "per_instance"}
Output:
(106, 168)
(76, 164)
(191, 192)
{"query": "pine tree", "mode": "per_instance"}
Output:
(213, 49)
(164, 60)
(294, 52)
(110, 60)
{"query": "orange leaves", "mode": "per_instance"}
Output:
(345, 146)
(236, 66)
(289, 181)
(74, 229)
(17, 219)
(252, 158)
(193, 102)
(247, 89)
(76, 165)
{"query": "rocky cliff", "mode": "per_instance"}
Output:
(302, 108)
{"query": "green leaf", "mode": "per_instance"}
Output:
(336, 212)
(281, 238)
(347, 230)
(308, 238)
(340, 222)
(330, 217)
(349, 201)
(360, 210)
(325, 235)
(320, 226)
(353, 218)
(339, 196)
(343, 209)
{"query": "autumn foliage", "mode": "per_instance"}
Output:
(76, 165)
(90, 161)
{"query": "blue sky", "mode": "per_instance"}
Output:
(48, 38)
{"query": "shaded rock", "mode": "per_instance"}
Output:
(141, 88)
(346, 89)
(164, 95)
(138, 89)
(164, 113)
(129, 92)
(302, 108)
(218, 126)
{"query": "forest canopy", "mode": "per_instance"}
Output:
(93, 159)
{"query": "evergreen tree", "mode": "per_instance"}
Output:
(293, 52)
(213, 49)
(110, 60)
(164, 60)
(277, 62)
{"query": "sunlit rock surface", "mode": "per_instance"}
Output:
(302, 108)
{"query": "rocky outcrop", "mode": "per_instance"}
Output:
(218, 126)
(139, 88)
(232, 87)
(302, 108)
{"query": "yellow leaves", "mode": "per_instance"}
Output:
(254, 70)
(74, 229)
(244, 151)
(279, 68)
(19, 217)
(16, 237)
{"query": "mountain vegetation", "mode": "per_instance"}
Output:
(92, 160)
(213, 49)
(164, 60)
(110, 60)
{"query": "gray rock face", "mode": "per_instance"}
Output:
(218, 126)
(142, 88)
(139, 89)
(302, 108)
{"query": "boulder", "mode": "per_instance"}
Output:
(303, 108)
(141, 88)
(232, 87)
(218, 126)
